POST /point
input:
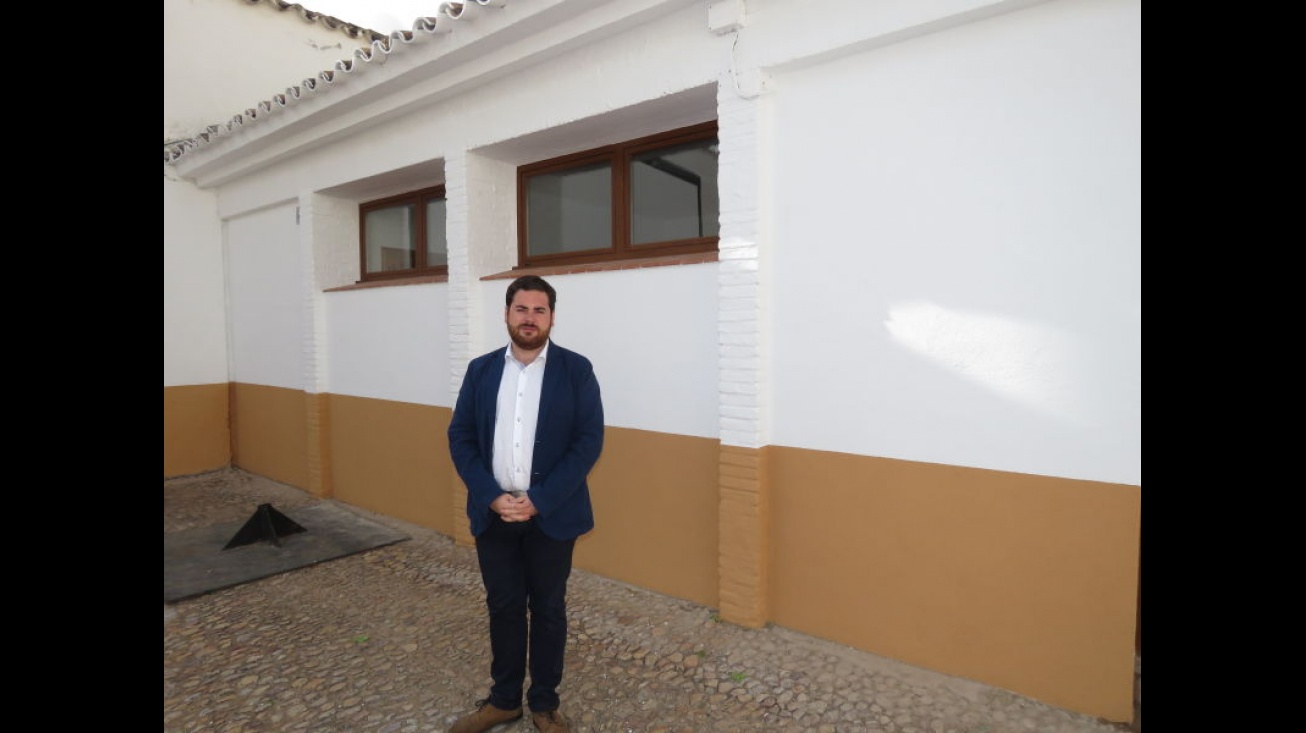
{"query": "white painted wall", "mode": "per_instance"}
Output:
(951, 244)
(671, 331)
(220, 57)
(958, 264)
(390, 344)
(518, 118)
(268, 319)
(194, 319)
(651, 334)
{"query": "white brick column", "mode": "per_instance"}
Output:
(480, 214)
(461, 279)
(744, 519)
(328, 252)
(463, 310)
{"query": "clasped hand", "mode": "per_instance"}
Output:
(514, 509)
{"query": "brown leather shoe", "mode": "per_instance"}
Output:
(484, 717)
(550, 722)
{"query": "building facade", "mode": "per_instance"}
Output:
(896, 405)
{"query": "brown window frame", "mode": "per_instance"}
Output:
(418, 199)
(618, 157)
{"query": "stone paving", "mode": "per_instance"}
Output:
(394, 640)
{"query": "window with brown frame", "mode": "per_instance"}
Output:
(656, 195)
(403, 235)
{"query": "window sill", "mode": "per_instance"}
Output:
(415, 280)
(665, 261)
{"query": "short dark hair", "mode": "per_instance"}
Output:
(531, 282)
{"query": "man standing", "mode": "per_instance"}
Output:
(526, 430)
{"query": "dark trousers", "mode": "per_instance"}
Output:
(522, 569)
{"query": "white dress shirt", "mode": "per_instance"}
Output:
(515, 417)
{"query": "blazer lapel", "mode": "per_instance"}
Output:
(552, 384)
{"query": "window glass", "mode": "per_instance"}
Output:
(404, 235)
(570, 210)
(673, 193)
(390, 239)
(437, 247)
(653, 196)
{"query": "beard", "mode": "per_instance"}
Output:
(529, 343)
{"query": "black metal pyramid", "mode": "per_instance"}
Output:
(267, 525)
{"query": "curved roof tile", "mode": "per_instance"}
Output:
(381, 47)
(329, 21)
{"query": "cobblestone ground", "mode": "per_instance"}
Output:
(393, 640)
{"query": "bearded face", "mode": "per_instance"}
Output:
(529, 337)
(529, 320)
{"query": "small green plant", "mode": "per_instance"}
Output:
(716, 618)
(738, 677)
(702, 653)
(360, 639)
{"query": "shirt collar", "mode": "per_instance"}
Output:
(541, 357)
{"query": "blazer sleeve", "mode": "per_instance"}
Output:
(471, 436)
(581, 427)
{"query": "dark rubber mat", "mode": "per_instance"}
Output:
(195, 563)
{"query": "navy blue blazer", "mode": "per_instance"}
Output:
(568, 441)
